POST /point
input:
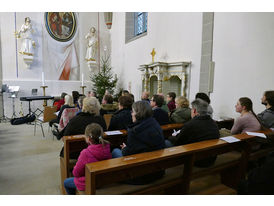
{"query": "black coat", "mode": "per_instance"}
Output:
(120, 120)
(161, 116)
(260, 180)
(77, 124)
(198, 129)
(144, 136)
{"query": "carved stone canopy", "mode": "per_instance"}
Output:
(164, 72)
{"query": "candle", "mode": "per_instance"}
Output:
(82, 79)
(43, 79)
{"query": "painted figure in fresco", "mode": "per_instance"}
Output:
(25, 32)
(55, 24)
(67, 23)
(92, 45)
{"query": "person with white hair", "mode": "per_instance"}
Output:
(90, 114)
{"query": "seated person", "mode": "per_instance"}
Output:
(182, 113)
(159, 114)
(75, 96)
(98, 149)
(60, 102)
(80, 103)
(171, 101)
(204, 97)
(68, 104)
(200, 127)
(125, 92)
(164, 106)
(90, 114)
(92, 94)
(145, 96)
(260, 180)
(144, 135)
(122, 118)
(267, 116)
(108, 107)
(248, 121)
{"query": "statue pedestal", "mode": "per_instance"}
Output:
(28, 60)
(92, 65)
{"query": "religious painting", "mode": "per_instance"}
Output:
(60, 25)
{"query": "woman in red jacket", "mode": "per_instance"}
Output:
(98, 149)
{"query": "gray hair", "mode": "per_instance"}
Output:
(91, 105)
(142, 109)
(200, 105)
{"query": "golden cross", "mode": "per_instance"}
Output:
(153, 54)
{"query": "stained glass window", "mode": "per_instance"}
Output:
(140, 21)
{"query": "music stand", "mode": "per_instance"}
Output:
(3, 90)
(13, 90)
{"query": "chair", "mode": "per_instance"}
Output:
(67, 115)
(107, 118)
(48, 115)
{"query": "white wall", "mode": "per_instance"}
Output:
(31, 78)
(175, 37)
(243, 49)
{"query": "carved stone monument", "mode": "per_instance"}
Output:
(166, 77)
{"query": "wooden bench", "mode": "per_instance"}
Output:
(76, 143)
(103, 177)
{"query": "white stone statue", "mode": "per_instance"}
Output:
(28, 45)
(92, 46)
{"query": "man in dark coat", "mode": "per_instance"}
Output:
(122, 118)
(158, 113)
(200, 127)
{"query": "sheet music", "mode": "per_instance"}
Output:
(116, 132)
(257, 134)
(230, 139)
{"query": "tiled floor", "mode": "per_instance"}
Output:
(28, 164)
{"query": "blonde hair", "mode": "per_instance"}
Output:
(91, 105)
(69, 100)
(182, 102)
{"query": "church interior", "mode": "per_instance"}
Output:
(225, 55)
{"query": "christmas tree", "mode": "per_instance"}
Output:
(104, 80)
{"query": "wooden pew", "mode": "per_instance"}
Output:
(76, 143)
(102, 176)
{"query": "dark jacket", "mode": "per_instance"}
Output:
(77, 124)
(108, 108)
(198, 129)
(180, 115)
(267, 117)
(260, 180)
(160, 115)
(120, 120)
(144, 136)
(171, 105)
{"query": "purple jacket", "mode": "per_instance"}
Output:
(171, 105)
(93, 153)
